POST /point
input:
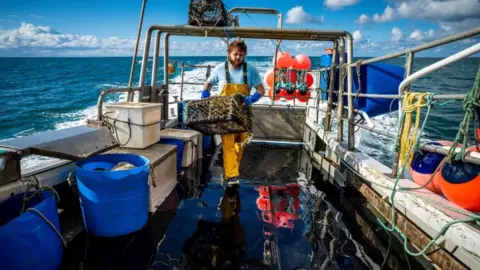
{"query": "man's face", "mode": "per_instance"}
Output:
(236, 57)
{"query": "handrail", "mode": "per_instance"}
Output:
(424, 71)
(108, 91)
(429, 45)
(258, 11)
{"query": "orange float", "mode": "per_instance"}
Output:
(309, 79)
(284, 60)
(171, 69)
(460, 183)
(424, 164)
(301, 61)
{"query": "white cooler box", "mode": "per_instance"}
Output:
(144, 127)
(163, 159)
(192, 149)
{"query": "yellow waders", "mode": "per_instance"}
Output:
(232, 148)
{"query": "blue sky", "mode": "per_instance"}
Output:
(108, 27)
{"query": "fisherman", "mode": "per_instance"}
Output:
(235, 76)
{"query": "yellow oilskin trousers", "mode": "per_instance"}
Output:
(232, 151)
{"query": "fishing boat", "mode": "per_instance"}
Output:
(307, 197)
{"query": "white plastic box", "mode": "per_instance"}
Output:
(144, 124)
(192, 149)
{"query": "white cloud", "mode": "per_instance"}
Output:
(454, 27)
(31, 37)
(339, 4)
(446, 10)
(416, 35)
(420, 36)
(357, 36)
(388, 15)
(452, 15)
(297, 15)
(397, 34)
(363, 19)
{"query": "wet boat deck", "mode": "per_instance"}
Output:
(274, 218)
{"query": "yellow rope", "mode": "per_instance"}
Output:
(411, 102)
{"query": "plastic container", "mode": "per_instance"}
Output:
(192, 149)
(113, 203)
(27, 241)
(180, 145)
(136, 124)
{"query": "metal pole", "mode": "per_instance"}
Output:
(429, 45)
(250, 32)
(165, 76)
(156, 52)
(351, 127)
(424, 71)
(471, 157)
(108, 91)
(395, 96)
(134, 60)
(274, 73)
(328, 119)
(146, 50)
(341, 85)
(182, 71)
(259, 11)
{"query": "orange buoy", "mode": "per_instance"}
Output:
(171, 68)
(460, 183)
(284, 60)
(263, 203)
(309, 79)
(268, 78)
(424, 164)
(301, 61)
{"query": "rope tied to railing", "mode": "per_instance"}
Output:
(471, 105)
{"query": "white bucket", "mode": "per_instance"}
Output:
(134, 124)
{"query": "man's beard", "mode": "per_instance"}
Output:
(235, 64)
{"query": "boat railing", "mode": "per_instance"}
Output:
(342, 43)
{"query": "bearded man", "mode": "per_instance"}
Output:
(235, 76)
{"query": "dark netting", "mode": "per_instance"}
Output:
(219, 115)
(207, 13)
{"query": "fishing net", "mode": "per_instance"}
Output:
(219, 115)
(207, 13)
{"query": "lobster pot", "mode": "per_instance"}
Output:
(219, 115)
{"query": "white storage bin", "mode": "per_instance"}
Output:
(144, 127)
(192, 149)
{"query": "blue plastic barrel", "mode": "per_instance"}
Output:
(113, 203)
(180, 145)
(27, 241)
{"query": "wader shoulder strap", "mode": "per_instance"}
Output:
(245, 79)
(227, 73)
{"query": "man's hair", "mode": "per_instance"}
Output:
(240, 44)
